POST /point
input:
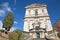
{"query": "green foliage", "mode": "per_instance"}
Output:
(11, 38)
(8, 21)
(16, 35)
(58, 34)
(1, 30)
(19, 32)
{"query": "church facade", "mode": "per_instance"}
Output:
(37, 21)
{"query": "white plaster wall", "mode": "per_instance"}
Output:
(49, 26)
(42, 24)
(45, 10)
(41, 34)
(31, 24)
(40, 11)
(27, 12)
(34, 35)
(43, 20)
(32, 12)
(26, 28)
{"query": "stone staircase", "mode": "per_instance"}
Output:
(39, 39)
(52, 36)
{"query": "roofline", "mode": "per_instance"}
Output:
(28, 6)
(55, 22)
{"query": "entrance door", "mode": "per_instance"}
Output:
(38, 35)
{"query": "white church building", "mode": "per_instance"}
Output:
(37, 21)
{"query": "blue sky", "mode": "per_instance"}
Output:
(18, 9)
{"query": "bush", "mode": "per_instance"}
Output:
(1, 30)
(19, 32)
(15, 35)
(11, 38)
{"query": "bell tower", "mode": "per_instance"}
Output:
(37, 20)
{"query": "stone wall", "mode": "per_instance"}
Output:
(4, 36)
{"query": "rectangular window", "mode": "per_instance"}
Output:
(38, 34)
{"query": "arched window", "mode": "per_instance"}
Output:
(36, 12)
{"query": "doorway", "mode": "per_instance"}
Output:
(38, 34)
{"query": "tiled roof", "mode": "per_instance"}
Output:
(56, 26)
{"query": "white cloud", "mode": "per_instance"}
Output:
(12, 29)
(6, 6)
(15, 22)
(15, 1)
(2, 12)
(1, 24)
(9, 9)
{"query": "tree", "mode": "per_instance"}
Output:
(8, 21)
